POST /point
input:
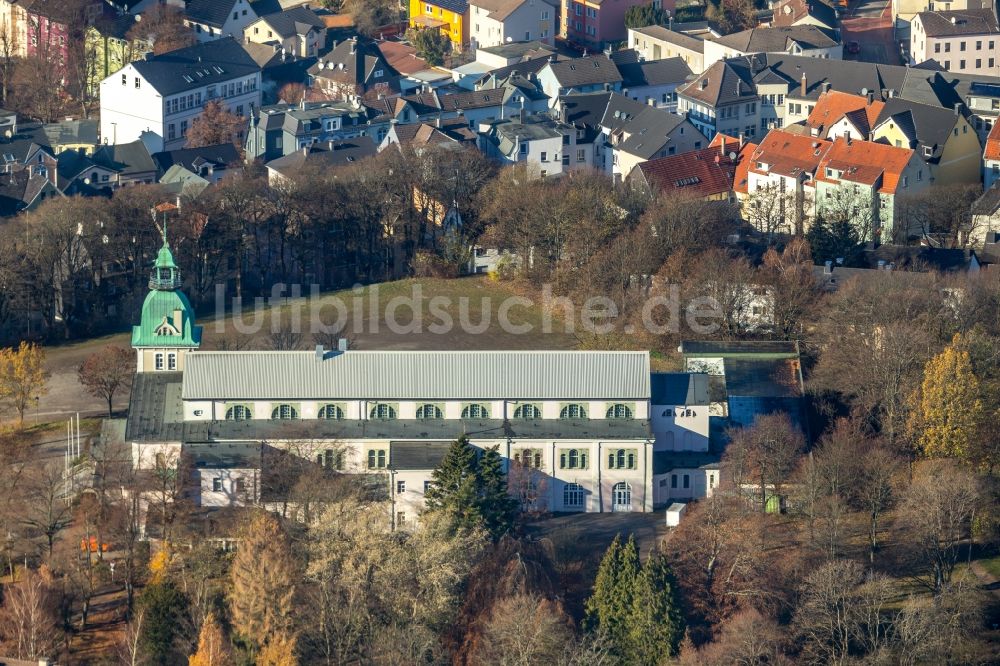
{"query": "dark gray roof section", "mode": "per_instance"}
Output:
(673, 37)
(763, 377)
(226, 455)
(209, 12)
(72, 131)
(738, 347)
(592, 70)
(778, 39)
(959, 22)
(196, 66)
(989, 202)
(294, 21)
(649, 132)
(665, 461)
(126, 158)
(155, 410)
(518, 49)
(416, 455)
(654, 72)
(679, 388)
(329, 154)
(456, 6)
(929, 126)
(192, 159)
(725, 82)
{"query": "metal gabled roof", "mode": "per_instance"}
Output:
(398, 375)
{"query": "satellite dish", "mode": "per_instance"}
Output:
(510, 39)
(732, 155)
(86, 181)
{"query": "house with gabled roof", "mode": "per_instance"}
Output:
(652, 82)
(354, 67)
(281, 129)
(588, 74)
(943, 138)
(804, 40)
(297, 30)
(723, 99)
(451, 17)
(820, 13)
(843, 114)
(159, 97)
(495, 22)
(709, 173)
(962, 40)
(649, 134)
(873, 179)
(655, 42)
(212, 19)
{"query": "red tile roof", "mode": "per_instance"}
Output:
(864, 162)
(402, 57)
(992, 150)
(699, 173)
(834, 105)
(789, 154)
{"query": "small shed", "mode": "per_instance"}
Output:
(674, 513)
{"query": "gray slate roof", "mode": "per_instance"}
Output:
(204, 64)
(929, 126)
(649, 132)
(210, 12)
(767, 40)
(959, 22)
(653, 72)
(679, 388)
(329, 154)
(417, 455)
(294, 21)
(391, 375)
(220, 155)
(673, 37)
(592, 70)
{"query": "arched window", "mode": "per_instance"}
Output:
(573, 496)
(238, 413)
(574, 458)
(475, 412)
(527, 412)
(284, 413)
(573, 411)
(383, 411)
(376, 458)
(429, 412)
(622, 459)
(331, 412)
(619, 411)
(621, 497)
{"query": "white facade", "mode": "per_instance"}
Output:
(650, 47)
(239, 17)
(531, 20)
(132, 108)
(715, 51)
(965, 54)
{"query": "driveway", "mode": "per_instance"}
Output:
(869, 23)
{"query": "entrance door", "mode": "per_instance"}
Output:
(621, 497)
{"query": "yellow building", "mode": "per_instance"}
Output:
(942, 138)
(449, 16)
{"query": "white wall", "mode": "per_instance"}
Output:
(715, 51)
(979, 57)
(533, 20)
(229, 495)
(245, 15)
(676, 430)
(657, 49)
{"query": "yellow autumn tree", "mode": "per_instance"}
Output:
(22, 376)
(214, 648)
(949, 408)
(278, 651)
(158, 564)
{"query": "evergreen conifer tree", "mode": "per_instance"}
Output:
(497, 508)
(656, 625)
(455, 484)
(609, 609)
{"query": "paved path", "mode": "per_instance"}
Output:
(869, 23)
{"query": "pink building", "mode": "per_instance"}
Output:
(595, 23)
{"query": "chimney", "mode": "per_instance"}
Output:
(827, 268)
(804, 84)
(739, 87)
(826, 86)
(742, 140)
(354, 45)
(342, 345)
(319, 352)
(722, 148)
(704, 83)
(871, 96)
(958, 108)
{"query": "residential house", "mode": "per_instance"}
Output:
(131, 161)
(871, 181)
(655, 42)
(985, 223)
(991, 158)
(209, 162)
(512, 53)
(593, 116)
(489, 104)
(401, 109)
(649, 134)
(212, 19)
(962, 41)
(297, 30)
(588, 74)
(653, 82)
(801, 40)
(709, 173)
(787, 88)
(943, 138)
(327, 155)
(449, 16)
(44, 28)
(278, 68)
(723, 100)
(497, 22)
(24, 190)
(819, 13)
(839, 114)
(538, 140)
(111, 49)
(72, 135)
(107, 169)
(597, 23)
(158, 98)
(418, 136)
(906, 10)
(353, 67)
(283, 129)
(784, 166)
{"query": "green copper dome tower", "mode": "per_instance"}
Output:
(166, 330)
